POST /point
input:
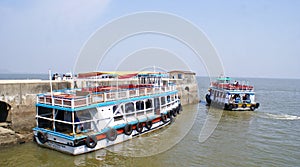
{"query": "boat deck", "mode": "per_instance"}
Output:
(86, 96)
(229, 86)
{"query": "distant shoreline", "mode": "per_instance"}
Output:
(24, 76)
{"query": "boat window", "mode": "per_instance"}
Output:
(156, 103)
(168, 99)
(179, 76)
(59, 115)
(163, 100)
(129, 107)
(83, 115)
(139, 105)
(45, 112)
(116, 108)
(118, 118)
(43, 123)
(63, 116)
(148, 103)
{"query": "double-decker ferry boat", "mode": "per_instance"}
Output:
(107, 109)
(229, 95)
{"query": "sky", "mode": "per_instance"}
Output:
(259, 38)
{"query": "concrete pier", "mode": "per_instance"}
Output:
(20, 95)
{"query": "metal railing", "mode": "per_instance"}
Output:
(73, 101)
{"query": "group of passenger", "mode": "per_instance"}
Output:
(65, 77)
(237, 98)
(236, 83)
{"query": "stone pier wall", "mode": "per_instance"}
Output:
(187, 86)
(21, 96)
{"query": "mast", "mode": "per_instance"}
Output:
(51, 89)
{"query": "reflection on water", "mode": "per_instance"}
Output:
(159, 141)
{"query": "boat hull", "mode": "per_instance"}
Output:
(52, 140)
(234, 107)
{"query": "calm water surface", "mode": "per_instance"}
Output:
(269, 136)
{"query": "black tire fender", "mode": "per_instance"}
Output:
(164, 118)
(244, 105)
(128, 129)
(178, 110)
(169, 114)
(43, 138)
(149, 124)
(91, 141)
(230, 106)
(111, 134)
(174, 113)
(139, 127)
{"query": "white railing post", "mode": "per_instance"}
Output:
(104, 96)
(117, 95)
(72, 103)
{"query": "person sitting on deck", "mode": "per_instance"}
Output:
(246, 98)
(236, 83)
(237, 98)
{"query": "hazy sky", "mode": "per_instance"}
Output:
(252, 38)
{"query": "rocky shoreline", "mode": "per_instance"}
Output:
(9, 137)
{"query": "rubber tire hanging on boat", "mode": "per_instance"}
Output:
(244, 105)
(128, 129)
(230, 106)
(91, 141)
(169, 114)
(148, 125)
(174, 113)
(42, 137)
(139, 127)
(164, 118)
(178, 110)
(257, 105)
(111, 134)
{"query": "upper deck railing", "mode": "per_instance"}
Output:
(232, 86)
(78, 98)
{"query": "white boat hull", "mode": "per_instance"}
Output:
(103, 143)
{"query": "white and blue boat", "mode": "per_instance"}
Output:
(107, 109)
(231, 95)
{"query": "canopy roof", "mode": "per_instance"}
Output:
(122, 74)
(224, 79)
